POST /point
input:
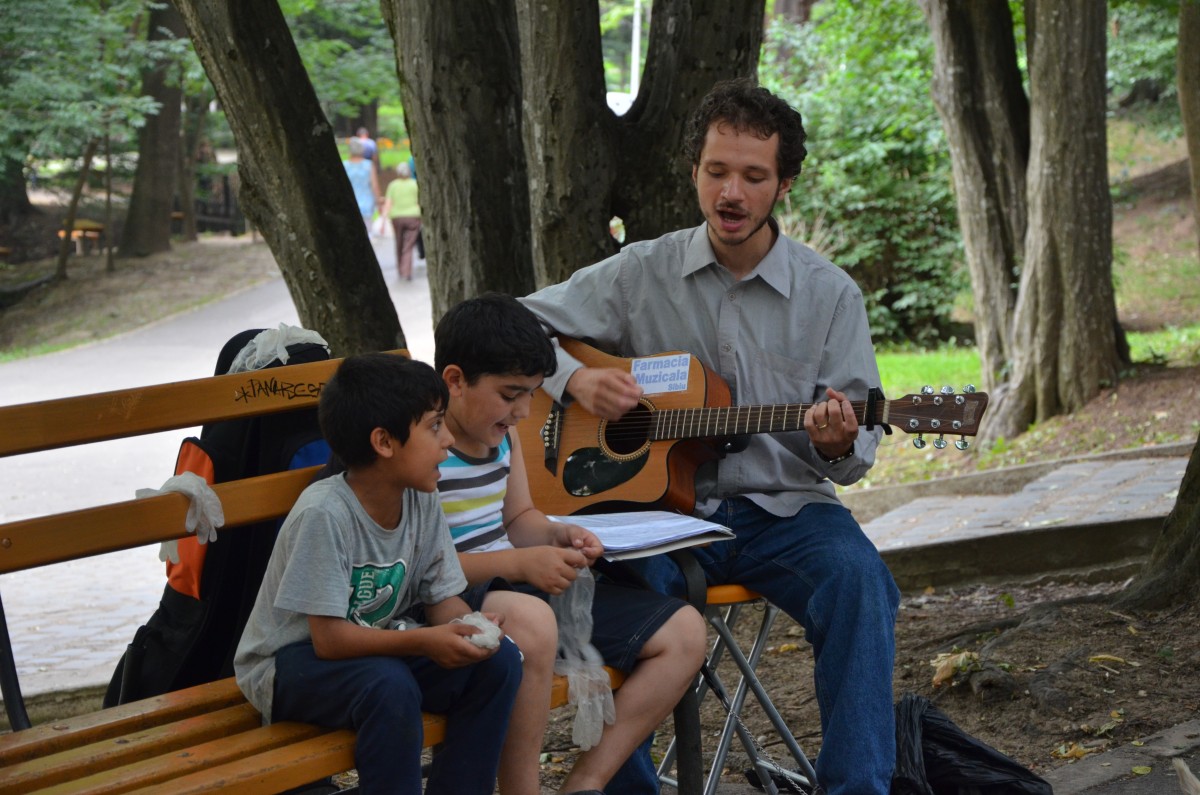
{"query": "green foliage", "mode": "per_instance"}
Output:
(1142, 38)
(348, 54)
(71, 71)
(616, 36)
(878, 169)
(906, 371)
(1178, 346)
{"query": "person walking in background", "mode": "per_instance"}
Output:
(362, 179)
(402, 206)
(370, 149)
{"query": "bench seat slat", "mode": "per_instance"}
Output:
(256, 742)
(270, 772)
(76, 763)
(118, 721)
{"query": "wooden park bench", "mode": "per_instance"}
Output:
(83, 234)
(205, 738)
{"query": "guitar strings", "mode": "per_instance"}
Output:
(642, 424)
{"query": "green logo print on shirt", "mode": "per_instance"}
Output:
(375, 593)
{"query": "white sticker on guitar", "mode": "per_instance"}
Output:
(657, 374)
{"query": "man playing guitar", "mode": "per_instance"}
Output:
(779, 324)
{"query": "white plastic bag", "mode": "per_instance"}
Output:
(588, 688)
(204, 516)
(272, 344)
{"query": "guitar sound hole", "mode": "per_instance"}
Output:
(629, 434)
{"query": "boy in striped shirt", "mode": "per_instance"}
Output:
(493, 353)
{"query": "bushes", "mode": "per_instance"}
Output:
(878, 170)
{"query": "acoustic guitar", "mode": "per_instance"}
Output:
(579, 463)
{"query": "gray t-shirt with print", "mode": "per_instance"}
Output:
(332, 559)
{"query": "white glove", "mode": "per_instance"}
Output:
(272, 344)
(204, 515)
(588, 687)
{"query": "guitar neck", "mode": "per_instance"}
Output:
(700, 423)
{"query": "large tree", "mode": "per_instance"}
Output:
(1188, 77)
(1172, 574)
(293, 186)
(522, 163)
(978, 91)
(1048, 219)
(147, 226)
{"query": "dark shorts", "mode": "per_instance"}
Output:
(624, 617)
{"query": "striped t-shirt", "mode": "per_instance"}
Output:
(472, 492)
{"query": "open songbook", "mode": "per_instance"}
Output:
(637, 534)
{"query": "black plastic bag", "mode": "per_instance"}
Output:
(936, 757)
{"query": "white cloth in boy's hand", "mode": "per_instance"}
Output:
(588, 686)
(488, 636)
(205, 513)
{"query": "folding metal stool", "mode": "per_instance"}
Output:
(724, 604)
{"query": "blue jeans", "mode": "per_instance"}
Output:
(821, 569)
(382, 698)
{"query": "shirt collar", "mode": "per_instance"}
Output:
(773, 269)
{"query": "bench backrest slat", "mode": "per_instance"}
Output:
(50, 424)
(29, 543)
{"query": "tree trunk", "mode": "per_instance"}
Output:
(66, 244)
(978, 92)
(1172, 575)
(293, 186)
(1064, 345)
(693, 45)
(147, 228)
(195, 118)
(107, 246)
(1188, 77)
(522, 163)
(460, 81)
(568, 137)
(14, 193)
(586, 164)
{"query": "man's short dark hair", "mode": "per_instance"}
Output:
(376, 390)
(492, 334)
(746, 106)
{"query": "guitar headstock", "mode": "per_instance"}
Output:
(942, 413)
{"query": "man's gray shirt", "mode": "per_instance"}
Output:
(794, 326)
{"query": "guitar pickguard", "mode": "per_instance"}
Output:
(589, 471)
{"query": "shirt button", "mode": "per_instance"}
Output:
(733, 296)
(727, 347)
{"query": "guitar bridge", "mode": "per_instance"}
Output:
(551, 435)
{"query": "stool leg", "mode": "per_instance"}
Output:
(707, 677)
(750, 678)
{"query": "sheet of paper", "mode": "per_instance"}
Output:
(634, 534)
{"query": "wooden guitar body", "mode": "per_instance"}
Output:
(594, 465)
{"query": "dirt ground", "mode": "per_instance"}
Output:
(1058, 672)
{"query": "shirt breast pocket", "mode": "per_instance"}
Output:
(780, 379)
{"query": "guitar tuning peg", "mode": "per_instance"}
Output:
(940, 443)
(926, 390)
(961, 443)
(969, 389)
(919, 442)
(947, 390)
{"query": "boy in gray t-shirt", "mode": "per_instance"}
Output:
(357, 552)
